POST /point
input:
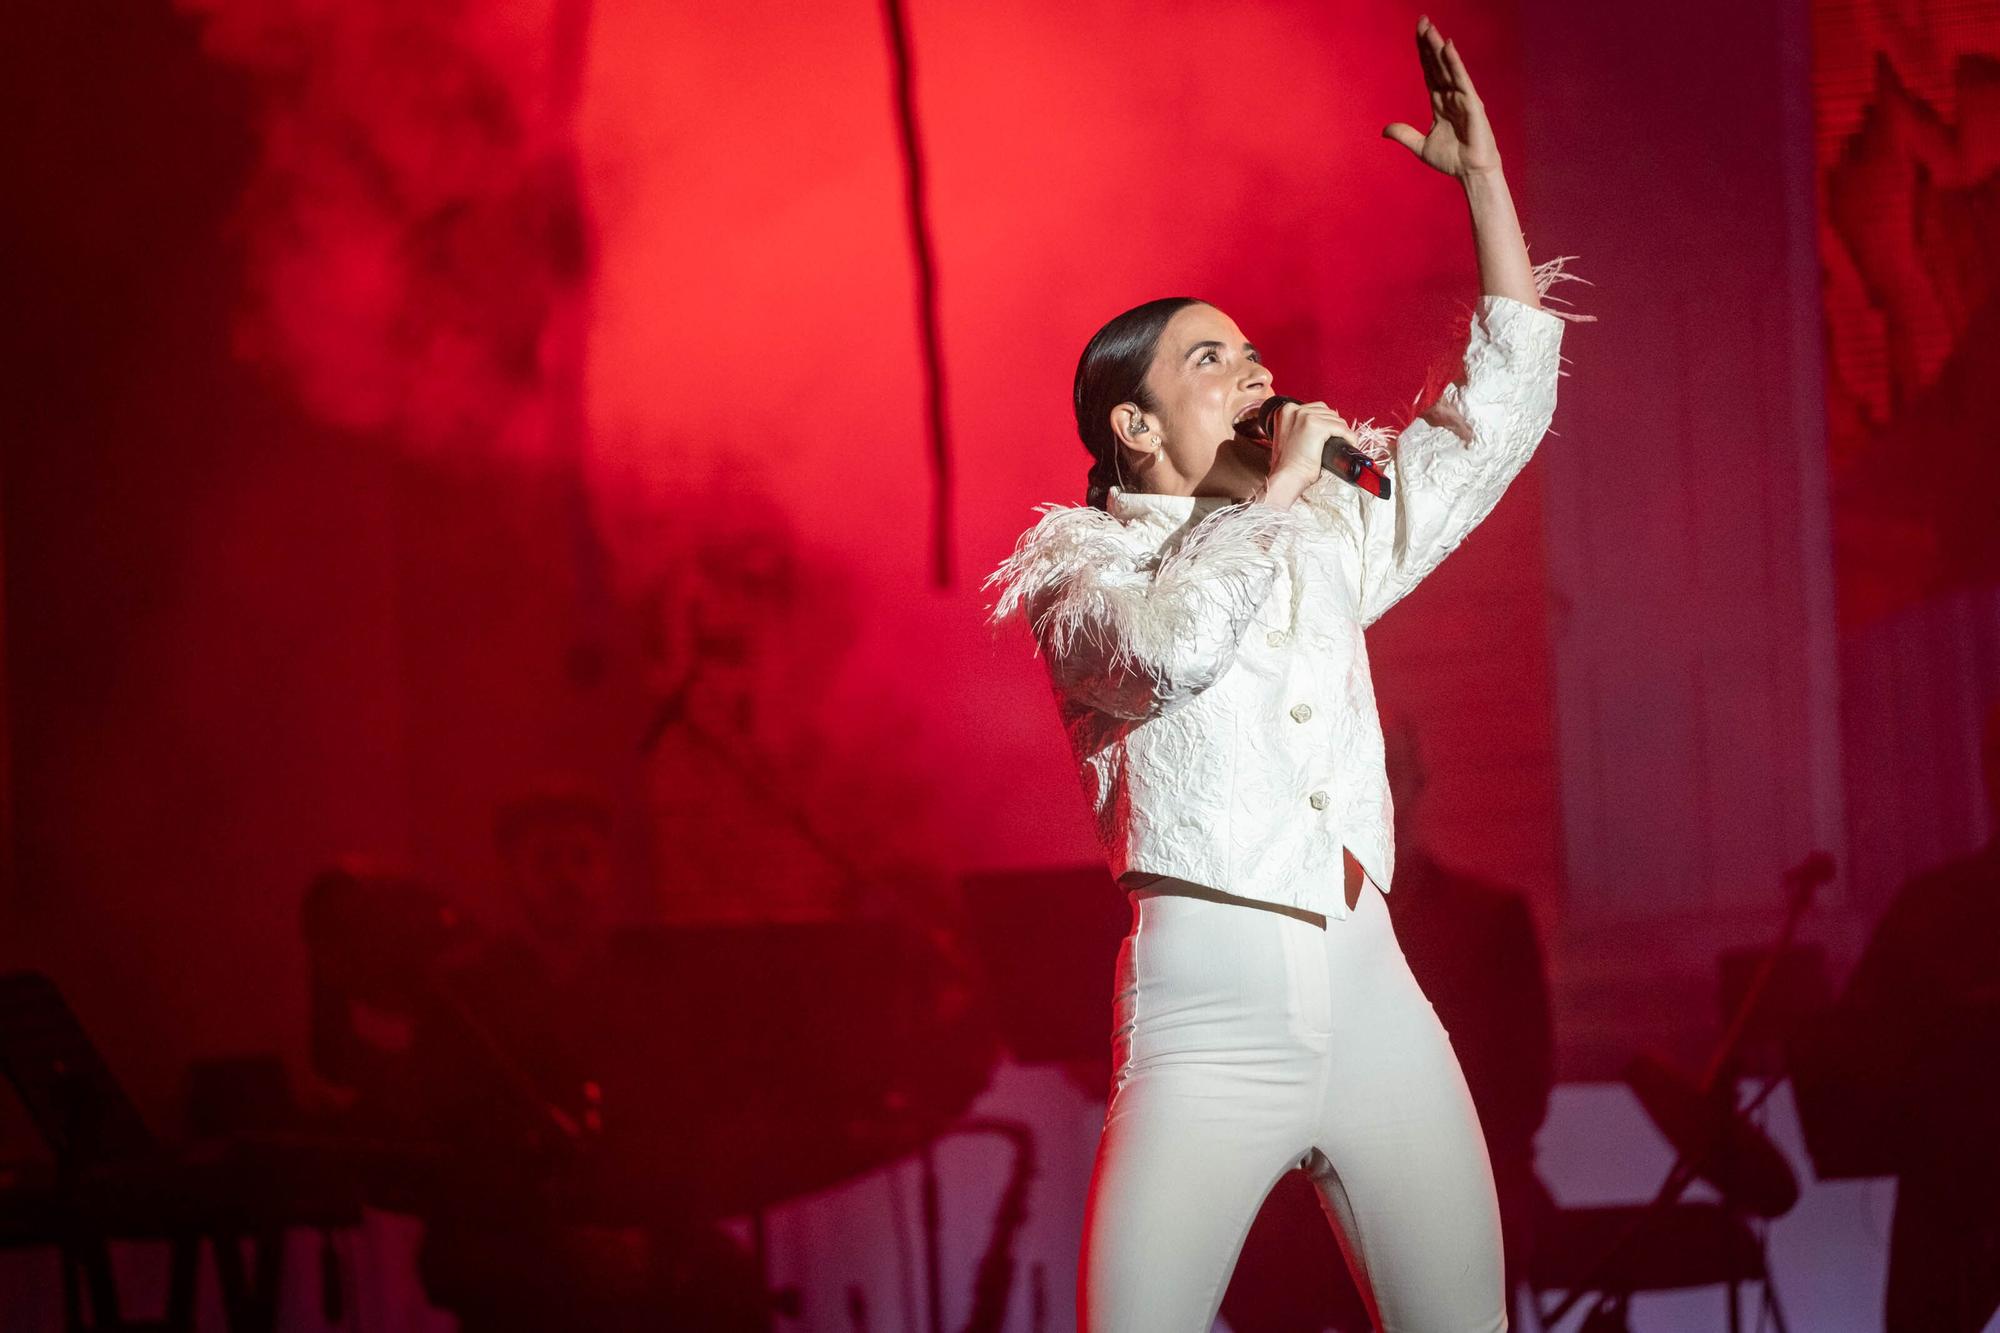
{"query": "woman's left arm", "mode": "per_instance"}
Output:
(1451, 466)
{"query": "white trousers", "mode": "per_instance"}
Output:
(1245, 1043)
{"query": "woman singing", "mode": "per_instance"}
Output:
(1201, 619)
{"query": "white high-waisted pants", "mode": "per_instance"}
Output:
(1245, 1043)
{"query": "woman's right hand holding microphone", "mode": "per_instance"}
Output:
(1301, 433)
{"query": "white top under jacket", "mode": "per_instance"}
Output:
(1207, 654)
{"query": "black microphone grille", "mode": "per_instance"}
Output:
(1262, 422)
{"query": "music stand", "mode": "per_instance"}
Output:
(88, 1123)
(69, 1093)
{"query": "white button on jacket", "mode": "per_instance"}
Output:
(1181, 634)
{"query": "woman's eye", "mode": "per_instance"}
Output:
(1206, 357)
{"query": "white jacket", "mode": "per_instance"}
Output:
(1207, 654)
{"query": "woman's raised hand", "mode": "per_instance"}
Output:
(1460, 141)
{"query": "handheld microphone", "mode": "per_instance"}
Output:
(1339, 457)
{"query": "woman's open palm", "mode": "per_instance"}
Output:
(1460, 141)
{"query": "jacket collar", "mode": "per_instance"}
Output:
(1166, 513)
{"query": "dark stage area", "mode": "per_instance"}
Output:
(518, 813)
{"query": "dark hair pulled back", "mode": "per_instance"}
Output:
(1112, 370)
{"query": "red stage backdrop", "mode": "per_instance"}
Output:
(1907, 100)
(660, 265)
(431, 399)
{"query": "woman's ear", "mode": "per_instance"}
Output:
(1136, 431)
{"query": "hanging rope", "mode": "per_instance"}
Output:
(927, 313)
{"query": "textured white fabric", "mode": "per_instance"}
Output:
(1207, 654)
